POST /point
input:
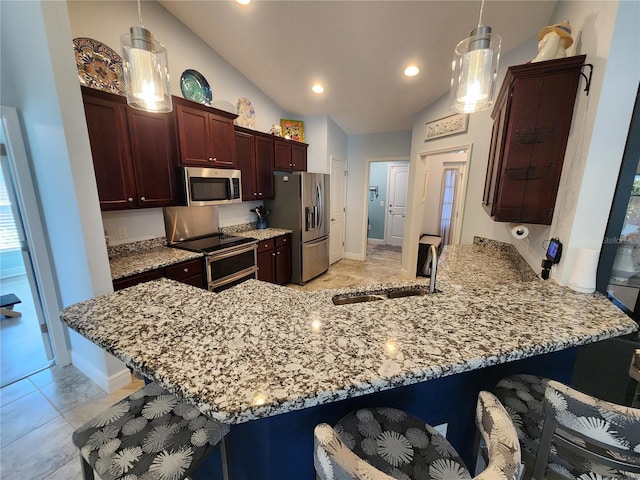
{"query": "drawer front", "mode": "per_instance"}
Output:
(138, 278)
(266, 245)
(283, 240)
(184, 270)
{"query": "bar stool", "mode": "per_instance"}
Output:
(584, 434)
(634, 373)
(387, 444)
(151, 434)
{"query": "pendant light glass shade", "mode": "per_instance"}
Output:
(146, 71)
(475, 69)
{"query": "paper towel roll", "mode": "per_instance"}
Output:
(583, 276)
(519, 231)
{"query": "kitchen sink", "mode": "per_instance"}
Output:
(349, 299)
(410, 292)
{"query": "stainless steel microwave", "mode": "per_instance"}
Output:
(199, 187)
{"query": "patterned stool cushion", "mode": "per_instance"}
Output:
(522, 397)
(150, 435)
(397, 444)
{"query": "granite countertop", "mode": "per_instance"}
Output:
(260, 349)
(263, 234)
(139, 257)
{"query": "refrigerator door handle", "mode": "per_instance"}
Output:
(319, 206)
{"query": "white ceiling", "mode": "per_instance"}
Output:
(357, 49)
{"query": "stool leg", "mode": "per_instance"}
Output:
(223, 457)
(87, 471)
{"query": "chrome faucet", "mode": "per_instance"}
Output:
(433, 268)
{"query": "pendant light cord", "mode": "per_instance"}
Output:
(140, 13)
(479, 20)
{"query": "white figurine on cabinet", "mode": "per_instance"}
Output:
(553, 42)
(275, 130)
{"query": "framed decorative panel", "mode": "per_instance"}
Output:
(456, 123)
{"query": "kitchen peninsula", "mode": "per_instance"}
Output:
(256, 351)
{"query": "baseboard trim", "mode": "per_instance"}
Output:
(110, 383)
(354, 256)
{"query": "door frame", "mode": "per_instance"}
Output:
(365, 198)
(34, 232)
(461, 195)
(333, 158)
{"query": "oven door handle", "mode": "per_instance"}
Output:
(233, 278)
(247, 247)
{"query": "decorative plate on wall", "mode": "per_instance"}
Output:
(99, 66)
(246, 113)
(195, 87)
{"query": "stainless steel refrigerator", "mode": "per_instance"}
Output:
(301, 204)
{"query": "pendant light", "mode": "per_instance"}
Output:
(475, 68)
(146, 70)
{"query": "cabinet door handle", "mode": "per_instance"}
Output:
(213, 159)
(278, 253)
(255, 194)
(129, 199)
(273, 254)
(260, 194)
(143, 199)
(186, 270)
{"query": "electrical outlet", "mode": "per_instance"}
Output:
(442, 429)
(122, 233)
(382, 203)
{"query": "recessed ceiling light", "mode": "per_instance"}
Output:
(318, 88)
(244, 2)
(411, 71)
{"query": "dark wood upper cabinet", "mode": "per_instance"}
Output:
(532, 119)
(290, 155)
(133, 152)
(254, 157)
(205, 134)
(153, 146)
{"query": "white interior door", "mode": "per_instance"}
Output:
(397, 204)
(338, 192)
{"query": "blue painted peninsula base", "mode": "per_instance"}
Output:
(281, 447)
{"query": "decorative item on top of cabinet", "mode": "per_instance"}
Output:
(189, 272)
(290, 156)
(532, 119)
(133, 152)
(274, 260)
(254, 157)
(205, 135)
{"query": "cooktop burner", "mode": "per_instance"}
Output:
(212, 243)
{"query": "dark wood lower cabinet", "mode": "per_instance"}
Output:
(189, 272)
(274, 260)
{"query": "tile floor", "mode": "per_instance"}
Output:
(39, 414)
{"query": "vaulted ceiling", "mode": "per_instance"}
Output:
(356, 49)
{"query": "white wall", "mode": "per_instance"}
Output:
(392, 145)
(49, 102)
(106, 21)
(608, 33)
(315, 128)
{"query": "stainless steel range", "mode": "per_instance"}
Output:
(228, 259)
